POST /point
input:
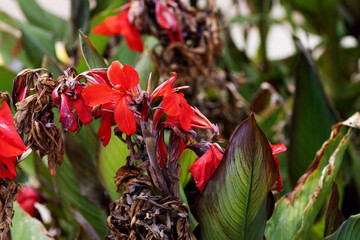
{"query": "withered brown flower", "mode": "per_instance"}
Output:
(141, 214)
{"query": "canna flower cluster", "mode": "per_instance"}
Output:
(127, 22)
(158, 125)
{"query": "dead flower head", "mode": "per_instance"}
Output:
(141, 214)
(35, 118)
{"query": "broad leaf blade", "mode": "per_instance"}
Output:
(6, 77)
(36, 42)
(186, 159)
(296, 212)
(37, 16)
(91, 55)
(26, 227)
(82, 151)
(111, 158)
(311, 114)
(234, 202)
(70, 198)
(349, 230)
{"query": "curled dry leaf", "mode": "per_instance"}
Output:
(141, 214)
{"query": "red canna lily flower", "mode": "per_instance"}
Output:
(204, 167)
(68, 93)
(277, 149)
(11, 144)
(27, 200)
(176, 106)
(121, 87)
(120, 24)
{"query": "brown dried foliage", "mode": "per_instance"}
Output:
(35, 118)
(141, 214)
(8, 192)
(5, 96)
(195, 57)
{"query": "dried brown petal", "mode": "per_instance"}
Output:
(5, 96)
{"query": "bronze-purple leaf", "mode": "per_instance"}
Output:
(234, 202)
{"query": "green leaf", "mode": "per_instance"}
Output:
(144, 65)
(111, 158)
(101, 5)
(91, 55)
(186, 159)
(82, 151)
(70, 198)
(6, 18)
(295, 213)
(236, 199)
(36, 42)
(6, 79)
(249, 19)
(124, 54)
(311, 114)
(80, 15)
(26, 227)
(349, 230)
(37, 16)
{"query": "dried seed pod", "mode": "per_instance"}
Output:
(141, 214)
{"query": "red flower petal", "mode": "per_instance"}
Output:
(116, 73)
(105, 127)
(124, 117)
(108, 27)
(157, 116)
(164, 16)
(66, 115)
(10, 141)
(132, 77)
(124, 76)
(161, 151)
(27, 200)
(130, 32)
(6, 115)
(74, 125)
(83, 111)
(173, 102)
(7, 167)
(279, 183)
(164, 87)
(278, 148)
(95, 95)
(204, 167)
(185, 117)
(28, 193)
(175, 35)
